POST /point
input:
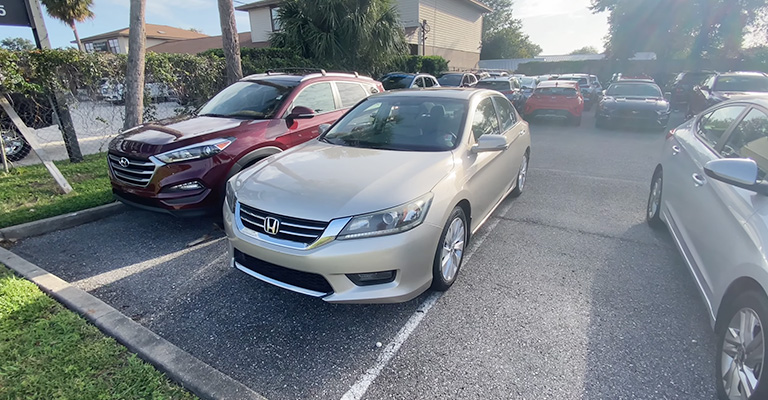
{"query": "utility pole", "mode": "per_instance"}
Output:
(424, 30)
(134, 77)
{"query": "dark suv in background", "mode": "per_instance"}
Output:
(680, 89)
(727, 86)
(181, 165)
(403, 80)
(458, 79)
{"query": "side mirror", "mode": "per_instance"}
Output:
(301, 112)
(322, 128)
(490, 142)
(739, 172)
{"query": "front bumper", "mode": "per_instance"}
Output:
(410, 254)
(630, 118)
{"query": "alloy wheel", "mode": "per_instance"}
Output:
(13, 144)
(523, 173)
(453, 249)
(654, 201)
(742, 356)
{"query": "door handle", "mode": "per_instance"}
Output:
(523, 132)
(698, 180)
(675, 149)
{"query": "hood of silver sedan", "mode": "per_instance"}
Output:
(320, 181)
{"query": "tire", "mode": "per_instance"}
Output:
(522, 176)
(750, 307)
(653, 210)
(443, 278)
(16, 146)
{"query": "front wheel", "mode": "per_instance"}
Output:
(450, 251)
(653, 212)
(741, 348)
(522, 175)
(16, 147)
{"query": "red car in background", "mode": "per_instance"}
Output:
(181, 166)
(561, 99)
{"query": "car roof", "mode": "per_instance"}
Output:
(436, 92)
(637, 81)
(498, 79)
(282, 80)
(741, 73)
(573, 76)
(556, 83)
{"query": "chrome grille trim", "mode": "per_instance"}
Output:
(137, 173)
(291, 229)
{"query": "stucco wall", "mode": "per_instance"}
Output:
(261, 24)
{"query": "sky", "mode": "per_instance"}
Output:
(558, 26)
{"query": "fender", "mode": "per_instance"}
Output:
(252, 157)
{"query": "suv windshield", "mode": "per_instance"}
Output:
(634, 90)
(404, 124)
(450, 80)
(527, 83)
(495, 85)
(741, 84)
(247, 100)
(397, 82)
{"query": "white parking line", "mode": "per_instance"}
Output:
(358, 390)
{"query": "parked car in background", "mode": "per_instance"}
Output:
(560, 99)
(710, 192)
(631, 76)
(458, 79)
(588, 87)
(35, 111)
(636, 103)
(727, 86)
(496, 73)
(682, 87)
(112, 91)
(509, 87)
(180, 165)
(366, 237)
(402, 80)
(527, 86)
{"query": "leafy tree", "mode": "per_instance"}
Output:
(69, 12)
(503, 35)
(585, 50)
(364, 35)
(16, 44)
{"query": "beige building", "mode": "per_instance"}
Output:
(117, 41)
(455, 27)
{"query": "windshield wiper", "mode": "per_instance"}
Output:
(214, 115)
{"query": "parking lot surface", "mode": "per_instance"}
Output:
(565, 294)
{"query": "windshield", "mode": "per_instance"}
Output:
(527, 83)
(450, 80)
(404, 124)
(633, 90)
(247, 100)
(495, 85)
(741, 84)
(392, 82)
(694, 77)
(556, 91)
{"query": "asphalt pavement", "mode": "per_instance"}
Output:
(567, 294)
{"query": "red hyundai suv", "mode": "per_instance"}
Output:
(556, 99)
(180, 166)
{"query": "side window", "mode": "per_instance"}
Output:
(419, 82)
(350, 93)
(484, 120)
(749, 139)
(506, 113)
(713, 125)
(709, 82)
(465, 80)
(318, 97)
(428, 82)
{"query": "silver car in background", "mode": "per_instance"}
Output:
(380, 207)
(710, 191)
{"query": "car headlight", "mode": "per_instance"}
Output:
(231, 197)
(386, 222)
(196, 151)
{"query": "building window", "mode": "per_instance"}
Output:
(89, 47)
(100, 46)
(114, 46)
(275, 16)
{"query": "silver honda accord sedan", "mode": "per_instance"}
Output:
(382, 205)
(710, 191)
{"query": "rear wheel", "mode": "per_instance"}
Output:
(653, 212)
(522, 175)
(16, 147)
(450, 250)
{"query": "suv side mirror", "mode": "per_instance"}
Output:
(301, 112)
(322, 128)
(490, 142)
(739, 172)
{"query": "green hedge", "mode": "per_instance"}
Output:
(433, 65)
(256, 61)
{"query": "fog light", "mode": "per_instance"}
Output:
(372, 278)
(185, 187)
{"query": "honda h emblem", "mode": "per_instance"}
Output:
(124, 162)
(271, 225)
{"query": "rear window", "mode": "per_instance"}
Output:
(694, 77)
(527, 83)
(450, 80)
(634, 90)
(495, 85)
(741, 84)
(582, 81)
(397, 82)
(556, 91)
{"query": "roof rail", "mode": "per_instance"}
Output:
(352, 74)
(295, 70)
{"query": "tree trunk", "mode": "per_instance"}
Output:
(231, 42)
(134, 77)
(77, 37)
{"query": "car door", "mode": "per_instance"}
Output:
(689, 196)
(319, 97)
(484, 169)
(514, 131)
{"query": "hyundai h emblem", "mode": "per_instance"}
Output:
(271, 225)
(124, 162)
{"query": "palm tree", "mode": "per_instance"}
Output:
(363, 35)
(69, 12)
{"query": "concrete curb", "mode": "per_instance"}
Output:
(193, 374)
(59, 222)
